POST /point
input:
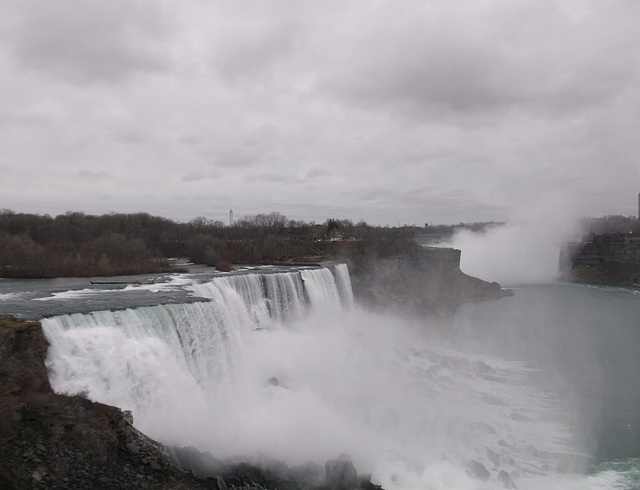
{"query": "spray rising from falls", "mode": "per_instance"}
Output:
(283, 364)
(173, 362)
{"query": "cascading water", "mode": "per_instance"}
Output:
(173, 364)
(343, 283)
(282, 364)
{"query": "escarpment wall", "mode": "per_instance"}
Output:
(611, 259)
(426, 282)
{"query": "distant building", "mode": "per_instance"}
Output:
(335, 235)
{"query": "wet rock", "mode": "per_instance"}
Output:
(133, 448)
(518, 417)
(493, 456)
(365, 483)
(309, 474)
(201, 464)
(477, 470)
(340, 474)
(220, 483)
(506, 480)
(485, 428)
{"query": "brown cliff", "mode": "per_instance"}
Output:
(425, 282)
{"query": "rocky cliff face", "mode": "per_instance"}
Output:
(427, 282)
(609, 259)
(54, 441)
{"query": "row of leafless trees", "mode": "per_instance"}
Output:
(76, 244)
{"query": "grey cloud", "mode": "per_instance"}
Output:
(254, 53)
(93, 174)
(260, 43)
(377, 194)
(385, 111)
(189, 140)
(131, 137)
(316, 172)
(246, 148)
(86, 41)
(445, 62)
(24, 120)
(271, 178)
(196, 176)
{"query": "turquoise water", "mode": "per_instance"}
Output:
(585, 342)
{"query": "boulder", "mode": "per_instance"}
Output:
(340, 473)
(506, 480)
(477, 470)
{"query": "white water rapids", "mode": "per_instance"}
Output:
(284, 365)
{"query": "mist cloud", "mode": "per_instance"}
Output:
(526, 250)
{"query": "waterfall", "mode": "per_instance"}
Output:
(284, 365)
(268, 297)
(155, 360)
(343, 283)
(320, 287)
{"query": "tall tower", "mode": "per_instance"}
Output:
(231, 214)
(639, 205)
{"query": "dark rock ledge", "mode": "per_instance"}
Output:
(55, 441)
(426, 283)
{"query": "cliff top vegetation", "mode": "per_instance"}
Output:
(77, 244)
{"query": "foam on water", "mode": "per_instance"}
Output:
(74, 294)
(9, 296)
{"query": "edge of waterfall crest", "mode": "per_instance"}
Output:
(203, 338)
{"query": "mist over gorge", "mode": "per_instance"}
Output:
(388, 352)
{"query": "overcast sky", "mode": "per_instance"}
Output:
(394, 112)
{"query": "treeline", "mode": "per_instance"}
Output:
(76, 244)
(612, 223)
(476, 227)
